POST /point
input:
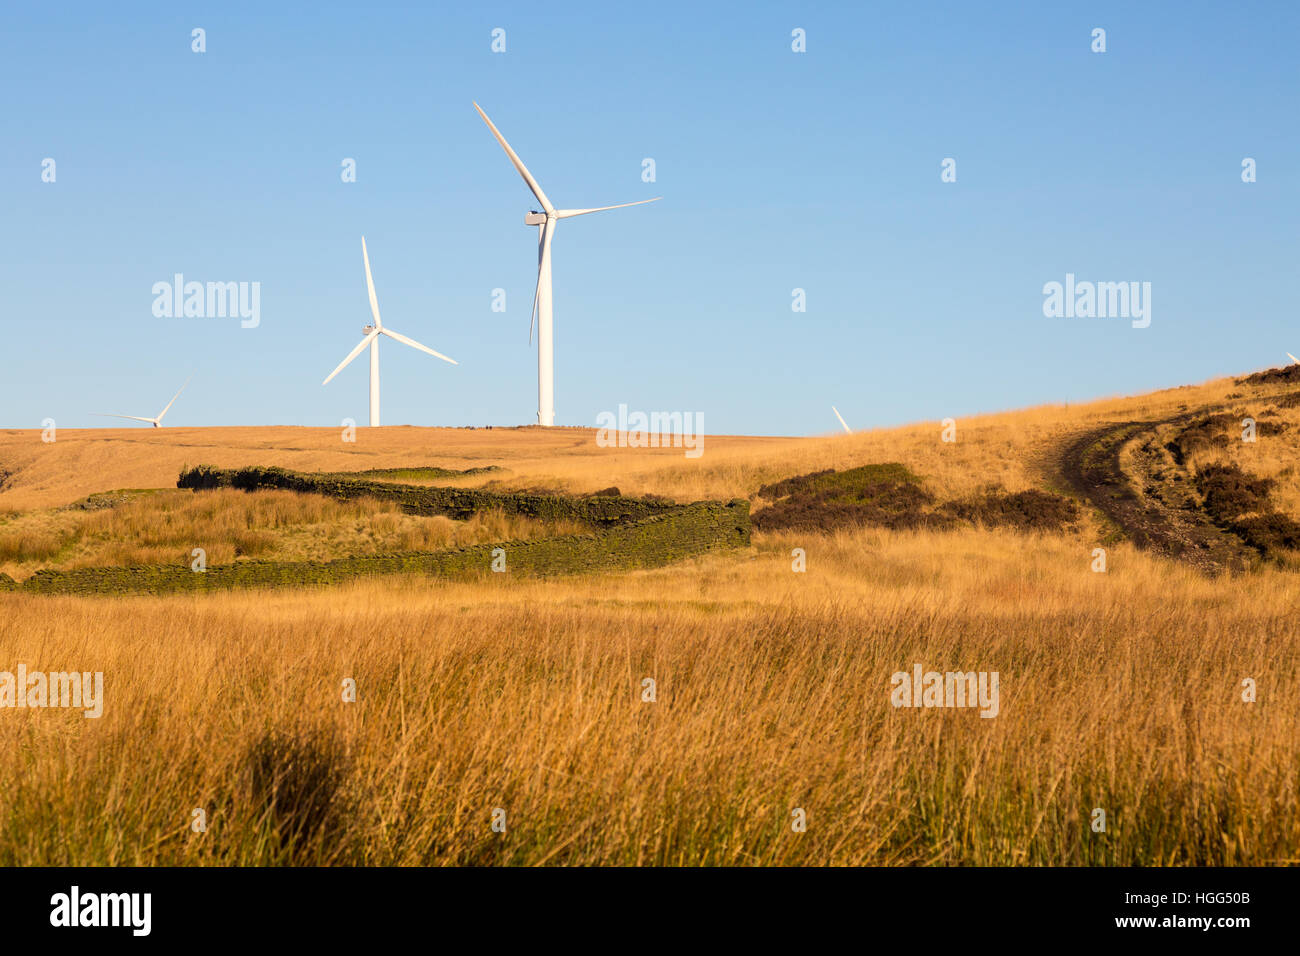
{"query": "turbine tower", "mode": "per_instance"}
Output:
(545, 221)
(372, 333)
(155, 422)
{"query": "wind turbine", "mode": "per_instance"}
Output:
(155, 422)
(842, 421)
(1293, 358)
(545, 222)
(372, 333)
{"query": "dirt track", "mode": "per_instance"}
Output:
(1139, 502)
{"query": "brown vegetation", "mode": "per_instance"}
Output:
(1120, 690)
(890, 496)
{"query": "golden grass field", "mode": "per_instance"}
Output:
(1119, 691)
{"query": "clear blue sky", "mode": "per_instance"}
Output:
(779, 170)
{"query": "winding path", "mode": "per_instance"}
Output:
(1157, 513)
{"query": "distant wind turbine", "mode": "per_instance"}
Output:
(842, 421)
(155, 422)
(1293, 358)
(545, 222)
(372, 333)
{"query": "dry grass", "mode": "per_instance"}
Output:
(164, 527)
(1005, 448)
(1119, 690)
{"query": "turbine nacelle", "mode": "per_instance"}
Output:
(535, 218)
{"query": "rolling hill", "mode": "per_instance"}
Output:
(686, 713)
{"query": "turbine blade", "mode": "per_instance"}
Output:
(1293, 358)
(569, 213)
(532, 316)
(370, 285)
(134, 418)
(351, 355)
(174, 397)
(842, 421)
(416, 345)
(543, 257)
(518, 163)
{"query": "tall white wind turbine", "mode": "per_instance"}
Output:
(155, 422)
(545, 222)
(372, 333)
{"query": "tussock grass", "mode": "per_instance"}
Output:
(26, 545)
(1119, 691)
